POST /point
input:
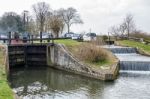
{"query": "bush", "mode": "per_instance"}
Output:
(105, 37)
(92, 53)
(99, 41)
(141, 35)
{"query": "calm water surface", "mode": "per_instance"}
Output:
(47, 83)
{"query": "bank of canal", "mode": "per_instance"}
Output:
(5, 90)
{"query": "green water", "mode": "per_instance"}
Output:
(47, 83)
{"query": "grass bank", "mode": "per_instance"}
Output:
(5, 90)
(70, 44)
(75, 47)
(129, 43)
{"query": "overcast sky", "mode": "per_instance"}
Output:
(98, 15)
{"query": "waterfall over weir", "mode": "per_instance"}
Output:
(123, 50)
(129, 59)
(120, 49)
(135, 65)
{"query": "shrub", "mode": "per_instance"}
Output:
(145, 36)
(105, 37)
(92, 53)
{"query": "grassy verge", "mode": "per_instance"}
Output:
(74, 46)
(5, 90)
(71, 44)
(145, 48)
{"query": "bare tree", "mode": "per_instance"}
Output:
(60, 13)
(122, 29)
(126, 27)
(70, 16)
(47, 25)
(32, 27)
(56, 24)
(129, 22)
(41, 10)
(115, 31)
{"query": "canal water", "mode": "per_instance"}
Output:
(129, 59)
(47, 83)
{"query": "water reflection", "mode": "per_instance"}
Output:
(47, 83)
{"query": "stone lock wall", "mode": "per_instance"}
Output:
(58, 57)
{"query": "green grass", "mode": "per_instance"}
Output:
(5, 90)
(145, 48)
(68, 42)
(72, 45)
(101, 64)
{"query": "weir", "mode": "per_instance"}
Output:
(123, 50)
(135, 65)
(129, 59)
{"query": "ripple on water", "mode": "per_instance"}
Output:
(55, 84)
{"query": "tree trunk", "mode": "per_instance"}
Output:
(57, 34)
(128, 30)
(41, 26)
(128, 33)
(68, 26)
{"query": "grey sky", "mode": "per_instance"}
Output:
(98, 15)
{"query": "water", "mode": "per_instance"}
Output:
(134, 62)
(129, 59)
(120, 49)
(47, 83)
(133, 57)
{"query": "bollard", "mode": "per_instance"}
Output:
(40, 37)
(9, 38)
(4, 41)
(48, 38)
(52, 39)
(32, 38)
(29, 38)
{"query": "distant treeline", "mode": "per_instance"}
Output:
(44, 19)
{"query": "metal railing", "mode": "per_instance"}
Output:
(30, 39)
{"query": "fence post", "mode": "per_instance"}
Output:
(9, 38)
(108, 39)
(40, 37)
(52, 39)
(29, 37)
(32, 38)
(48, 38)
(4, 41)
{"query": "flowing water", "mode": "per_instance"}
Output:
(129, 59)
(47, 83)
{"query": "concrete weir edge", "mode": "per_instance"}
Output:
(62, 59)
